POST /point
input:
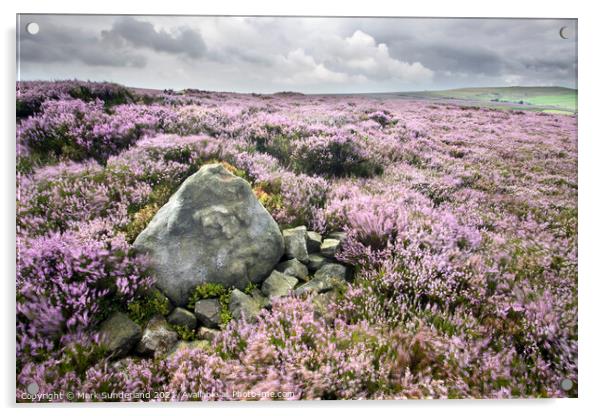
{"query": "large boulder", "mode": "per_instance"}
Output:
(213, 229)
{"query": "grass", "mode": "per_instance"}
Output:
(557, 100)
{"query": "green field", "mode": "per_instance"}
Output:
(547, 99)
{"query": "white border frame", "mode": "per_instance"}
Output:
(590, 158)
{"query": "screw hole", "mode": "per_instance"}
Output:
(32, 28)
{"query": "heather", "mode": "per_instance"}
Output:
(461, 228)
(31, 95)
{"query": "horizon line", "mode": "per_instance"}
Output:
(304, 93)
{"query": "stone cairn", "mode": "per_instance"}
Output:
(214, 230)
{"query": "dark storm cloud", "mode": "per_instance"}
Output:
(56, 44)
(139, 33)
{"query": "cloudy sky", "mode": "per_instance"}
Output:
(312, 55)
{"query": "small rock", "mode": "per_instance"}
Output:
(329, 247)
(337, 235)
(332, 270)
(120, 334)
(295, 243)
(242, 304)
(207, 311)
(278, 284)
(157, 339)
(293, 268)
(182, 317)
(190, 345)
(259, 298)
(314, 241)
(120, 365)
(317, 286)
(207, 333)
(330, 276)
(323, 305)
(316, 261)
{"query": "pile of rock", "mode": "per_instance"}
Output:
(308, 266)
(214, 230)
(122, 336)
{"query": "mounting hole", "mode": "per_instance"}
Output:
(566, 384)
(565, 32)
(32, 28)
(33, 388)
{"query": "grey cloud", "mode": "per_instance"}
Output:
(61, 44)
(240, 55)
(545, 64)
(481, 47)
(183, 40)
(452, 58)
(259, 54)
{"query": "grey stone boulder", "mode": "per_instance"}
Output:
(330, 247)
(119, 334)
(207, 311)
(242, 304)
(182, 317)
(293, 268)
(295, 243)
(316, 261)
(212, 229)
(314, 241)
(329, 277)
(157, 339)
(278, 285)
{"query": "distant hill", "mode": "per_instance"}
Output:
(547, 99)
